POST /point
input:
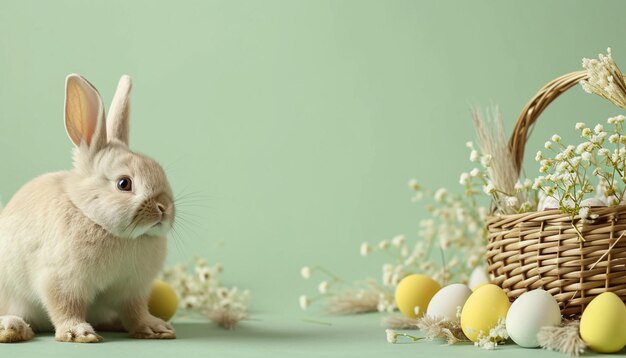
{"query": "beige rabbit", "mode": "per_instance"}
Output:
(80, 248)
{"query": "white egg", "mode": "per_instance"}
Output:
(593, 202)
(528, 313)
(445, 302)
(478, 277)
(548, 203)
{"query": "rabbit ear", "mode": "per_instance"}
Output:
(84, 113)
(117, 120)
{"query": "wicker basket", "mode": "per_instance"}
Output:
(542, 249)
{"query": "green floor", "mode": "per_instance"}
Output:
(265, 336)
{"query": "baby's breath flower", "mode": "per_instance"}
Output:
(556, 138)
(519, 186)
(598, 138)
(614, 138)
(584, 212)
(580, 126)
(475, 172)
(387, 268)
(404, 251)
(486, 160)
(392, 336)
(586, 132)
(204, 273)
(398, 240)
(511, 201)
(586, 156)
(440, 194)
(365, 249)
(200, 290)
(489, 188)
(547, 145)
(616, 120)
(539, 156)
(387, 279)
(323, 287)
(444, 242)
(605, 79)
(474, 156)
(497, 335)
(304, 302)
(599, 128)
(383, 244)
(190, 302)
(413, 184)
(305, 272)
(464, 179)
(528, 183)
(603, 152)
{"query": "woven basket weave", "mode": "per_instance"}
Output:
(543, 250)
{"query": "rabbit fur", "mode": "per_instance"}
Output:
(77, 249)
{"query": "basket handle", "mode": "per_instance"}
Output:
(533, 109)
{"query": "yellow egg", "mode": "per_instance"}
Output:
(482, 310)
(603, 324)
(415, 291)
(163, 300)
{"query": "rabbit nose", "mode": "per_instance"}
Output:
(161, 208)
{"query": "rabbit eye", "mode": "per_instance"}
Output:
(124, 184)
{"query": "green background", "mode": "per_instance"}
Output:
(295, 125)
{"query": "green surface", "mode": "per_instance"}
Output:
(295, 125)
(269, 336)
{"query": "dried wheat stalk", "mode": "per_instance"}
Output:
(397, 321)
(354, 301)
(564, 339)
(492, 141)
(441, 329)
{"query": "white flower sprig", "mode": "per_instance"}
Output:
(201, 291)
(498, 163)
(452, 243)
(392, 336)
(343, 297)
(519, 198)
(605, 79)
(497, 335)
(568, 178)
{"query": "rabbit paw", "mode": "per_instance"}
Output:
(154, 328)
(14, 329)
(78, 333)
